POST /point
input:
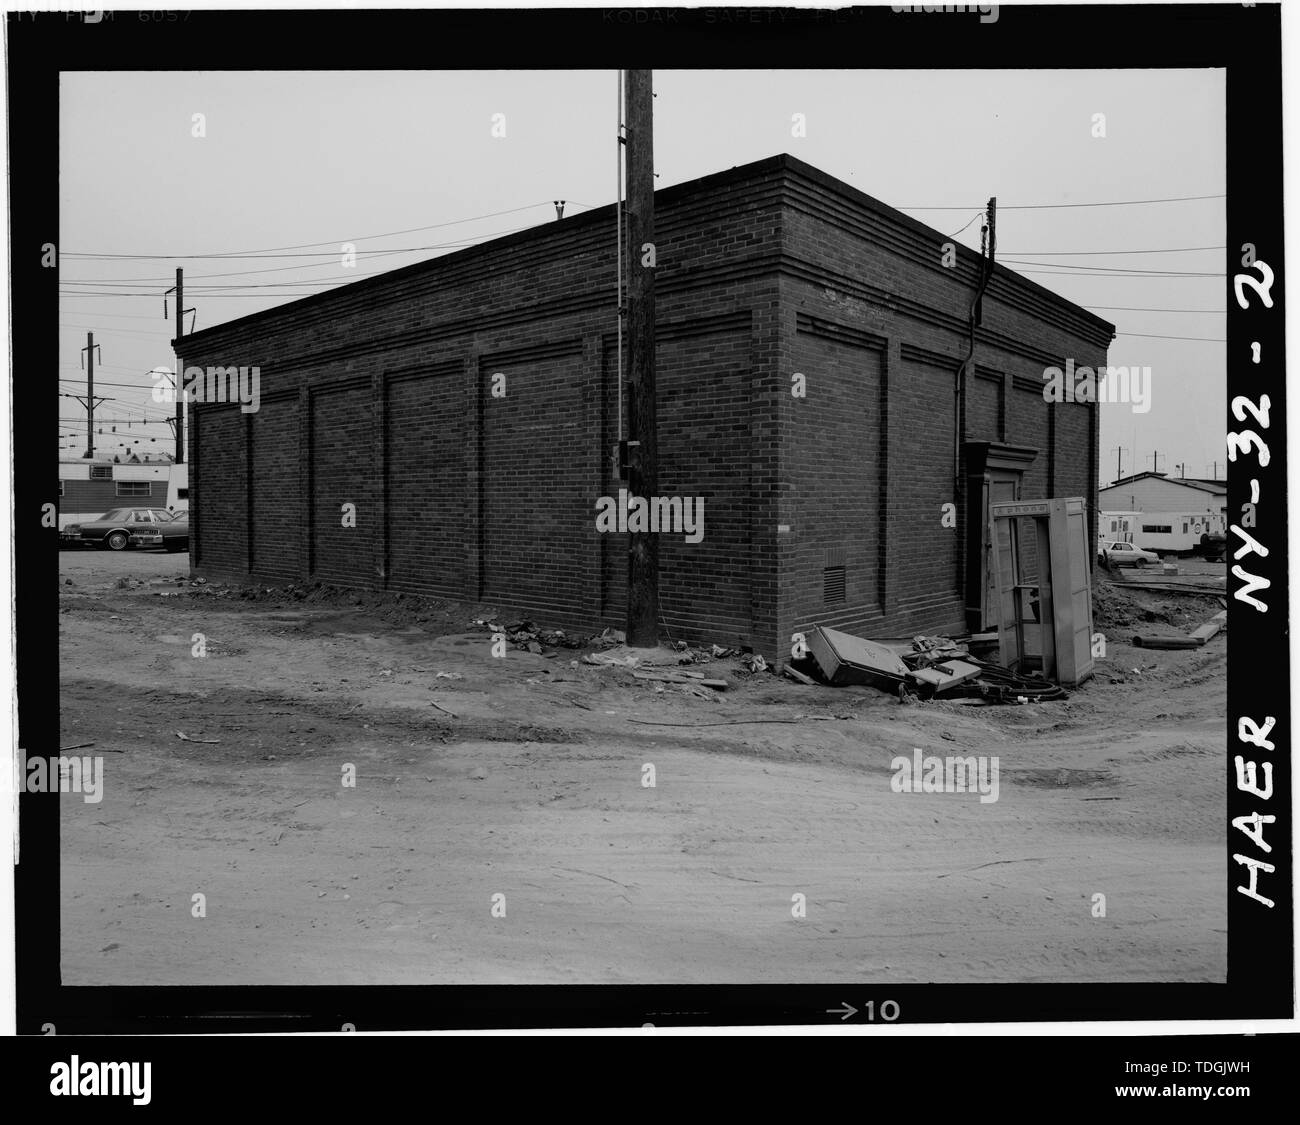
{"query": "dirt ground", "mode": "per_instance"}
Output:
(525, 781)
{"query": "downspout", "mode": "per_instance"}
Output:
(988, 246)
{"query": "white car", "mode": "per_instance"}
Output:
(1126, 554)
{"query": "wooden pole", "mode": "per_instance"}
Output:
(90, 395)
(643, 459)
(176, 383)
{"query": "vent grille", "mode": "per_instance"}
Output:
(101, 472)
(833, 585)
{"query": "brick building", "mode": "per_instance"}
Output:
(824, 509)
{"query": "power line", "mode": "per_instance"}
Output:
(129, 407)
(308, 245)
(115, 367)
(1091, 253)
(128, 386)
(972, 219)
(112, 331)
(109, 286)
(1054, 206)
(1153, 336)
(1114, 273)
(115, 422)
(1113, 270)
(154, 294)
(332, 255)
(130, 417)
(113, 316)
(1134, 308)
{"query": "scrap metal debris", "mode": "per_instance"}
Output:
(844, 659)
(932, 667)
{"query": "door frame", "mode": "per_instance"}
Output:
(986, 462)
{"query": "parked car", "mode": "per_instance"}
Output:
(1116, 553)
(114, 529)
(172, 533)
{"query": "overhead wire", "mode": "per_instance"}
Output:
(307, 245)
(1054, 206)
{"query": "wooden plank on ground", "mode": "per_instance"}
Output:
(1211, 627)
(1166, 642)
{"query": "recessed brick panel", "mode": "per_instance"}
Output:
(833, 459)
(703, 387)
(343, 472)
(536, 505)
(218, 526)
(425, 482)
(276, 510)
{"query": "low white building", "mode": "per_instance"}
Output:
(1161, 513)
(1155, 492)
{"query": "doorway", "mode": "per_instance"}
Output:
(994, 475)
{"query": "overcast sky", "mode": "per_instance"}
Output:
(328, 157)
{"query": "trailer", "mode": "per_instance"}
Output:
(88, 488)
(1176, 533)
(1117, 527)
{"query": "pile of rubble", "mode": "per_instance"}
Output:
(931, 667)
(526, 636)
(750, 662)
(609, 648)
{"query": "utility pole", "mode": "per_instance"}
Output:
(90, 402)
(1215, 470)
(643, 452)
(1155, 461)
(90, 395)
(180, 398)
(1119, 461)
(181, 310)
